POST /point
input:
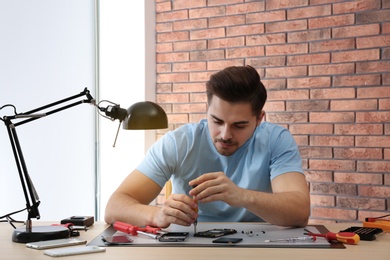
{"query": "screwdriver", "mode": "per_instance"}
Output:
(343, 237)
(196, 209)
(294, 239)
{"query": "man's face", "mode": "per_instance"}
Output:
(230, 124)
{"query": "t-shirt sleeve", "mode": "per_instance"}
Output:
(285, 156)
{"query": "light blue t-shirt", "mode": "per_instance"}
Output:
(188, 152)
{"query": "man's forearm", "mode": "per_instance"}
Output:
(284, 209)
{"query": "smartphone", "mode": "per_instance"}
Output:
(228, 240)
(173, 237)
(74, 251)
(117, 240)
(55, 243)
(214, 233)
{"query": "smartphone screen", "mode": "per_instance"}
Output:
(228, 240)
(117, 240)
(174, 237)
(214, 233)
(55, 243)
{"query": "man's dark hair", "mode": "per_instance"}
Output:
(238, 84)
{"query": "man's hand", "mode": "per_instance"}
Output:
(178, 209)
(216, 186)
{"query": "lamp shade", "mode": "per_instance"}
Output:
(145, 115)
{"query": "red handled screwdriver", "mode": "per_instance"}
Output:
(343, 237)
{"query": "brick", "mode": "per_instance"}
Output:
(277, 84)
(361, 203)
(251, 7)
(307, 12)
(245, 30)
(311, 105)
(274, 106)
(372, 117)
(167, 107)
(190, 24)
(356, 6)
(198, 97)
(266, 17)
(288, 94)
(284, 49)
(185, 4)
(221, 64)
(189, 87)
(387, 176)
(332, 141)
(373, 166)
(385, 28)
(226, 42)
(286, 117)
(226, 21)
(358, 178)
(172, 98)
(384, 104)
(331, 69)
(387, 157)
(334, 188)
(375, 66)
(189, 66)
(171, 16)
(161, 88)
(353, 105)
(319, 58)
(286, 26)
(164, 47)
(244, 52)
(222, 2)
(373, 141)
(172, 57)
(316, 152)
(387, 129)
(332, 45)
(172, 36)
(359, 55)
(309, 82)
(386, 79)
(308, 36)
(163, 7)
(311, 128)
(373, 17)
(374, 92)
(207, 33)
(286, 72)
(265, 39)
(177, 118)
(164, 27)
(267, 61)
(319, 176)
(322, 200)
(331, 21)
(271, 5)
(301, 140)
(200, 76)
(194, 118)
(386, 54)
(355, 31)
(189, 108)
(331, 117)
(165, 67)
(373, 41)
(190, 45)
(358, 129)
(334, 93)
(363, 214)
(207, 12)
(172, 77)
(374, 191)
(357, 80)
(207, 55)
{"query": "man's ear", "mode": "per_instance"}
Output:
(260, 118)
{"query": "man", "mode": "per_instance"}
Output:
(231, 166)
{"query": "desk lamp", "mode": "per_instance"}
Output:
(142, 115)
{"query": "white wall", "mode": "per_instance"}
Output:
(47, 53)
(124, 74)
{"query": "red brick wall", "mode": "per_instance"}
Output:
(326, 65)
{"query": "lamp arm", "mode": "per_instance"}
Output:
(30, 194)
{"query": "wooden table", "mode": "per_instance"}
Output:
(378, 249)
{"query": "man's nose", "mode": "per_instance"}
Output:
(226, 133)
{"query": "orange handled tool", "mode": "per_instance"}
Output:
(343, 237)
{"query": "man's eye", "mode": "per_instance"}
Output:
(240, 126)
(218, 122)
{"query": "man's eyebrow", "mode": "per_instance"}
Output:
(236, 123)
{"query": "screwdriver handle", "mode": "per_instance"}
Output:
(345, 237)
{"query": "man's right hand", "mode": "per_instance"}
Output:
(178, 209)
